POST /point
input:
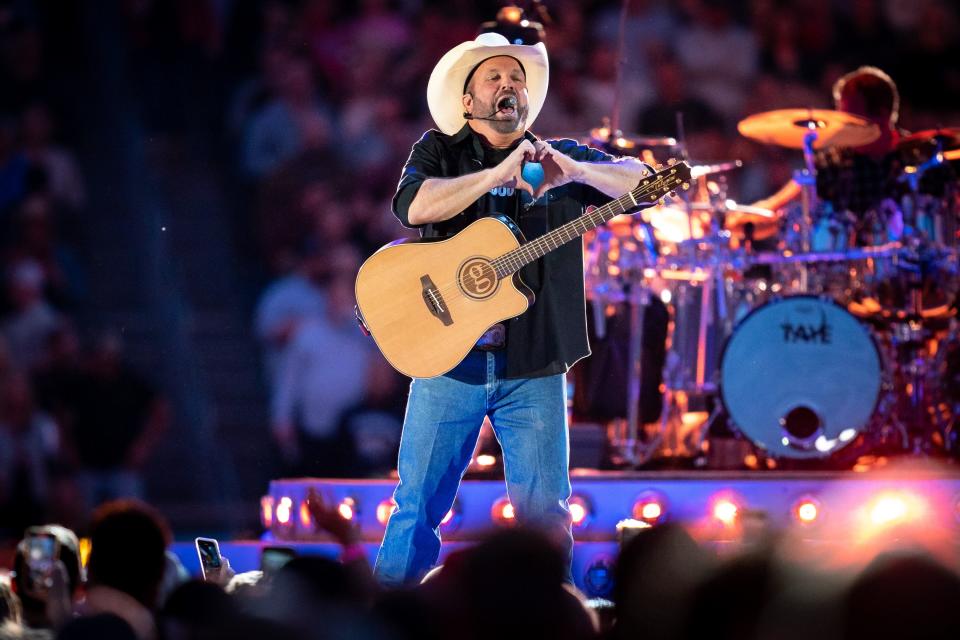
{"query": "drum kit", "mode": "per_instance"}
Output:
(788, 330)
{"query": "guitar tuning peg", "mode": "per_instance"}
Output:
(673, 194)
(686, 185)
(658, 167)
(672, 161)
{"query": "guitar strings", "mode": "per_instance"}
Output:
(641, 193)
(517, 262)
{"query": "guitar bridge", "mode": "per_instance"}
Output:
(434, 301)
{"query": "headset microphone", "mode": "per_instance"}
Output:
(504, 103)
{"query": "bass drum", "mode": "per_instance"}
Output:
(800, 377)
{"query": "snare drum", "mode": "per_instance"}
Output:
(800, 377)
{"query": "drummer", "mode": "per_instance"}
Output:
(857, 179)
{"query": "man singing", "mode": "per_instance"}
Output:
(484, 95)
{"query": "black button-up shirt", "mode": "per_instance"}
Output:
(552, 335)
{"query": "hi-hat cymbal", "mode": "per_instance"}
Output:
(670, 222)
(925, 142)
(789, 127)
(698, 170)
(627, 142)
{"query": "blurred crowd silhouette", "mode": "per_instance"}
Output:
(511, 584)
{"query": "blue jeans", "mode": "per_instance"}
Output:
(440, 431)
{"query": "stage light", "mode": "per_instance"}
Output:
(806, 510)
(348, 508)
(283, 510)
(266, 511)
(305, 519)
(650, 507)
(888, 509)
(486, 460)
(502, 512)
(581, 511)
(510, 14)
(726, 511)
(517, 28)
(385, 510)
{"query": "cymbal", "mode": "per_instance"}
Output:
(765, 222)
(788, 127)
(926, 141)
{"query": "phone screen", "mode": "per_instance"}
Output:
(42, 550)
(209, 552)
(272, 559)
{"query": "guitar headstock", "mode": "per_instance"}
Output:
(667, 180)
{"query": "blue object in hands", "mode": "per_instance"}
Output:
(532, 173)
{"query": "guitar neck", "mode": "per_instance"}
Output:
(650, 189)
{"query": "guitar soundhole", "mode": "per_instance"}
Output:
(478, 278)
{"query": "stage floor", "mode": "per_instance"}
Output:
(824, 509)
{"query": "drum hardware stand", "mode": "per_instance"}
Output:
(912, 176)
(639, 297)
(807, 179)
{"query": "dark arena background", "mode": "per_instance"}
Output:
(763, 443)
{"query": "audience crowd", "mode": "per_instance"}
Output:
(76, 423)
(512, 584)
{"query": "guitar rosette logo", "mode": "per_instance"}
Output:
(478, 278)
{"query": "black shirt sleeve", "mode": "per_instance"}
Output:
(424, 162)
(582, 153)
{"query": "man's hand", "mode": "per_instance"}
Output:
(558, 168)
(327, 518)
(507, 173)
(222, 575)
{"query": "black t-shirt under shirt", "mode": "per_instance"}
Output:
(551, 336)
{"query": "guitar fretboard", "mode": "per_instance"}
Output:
(650, 189)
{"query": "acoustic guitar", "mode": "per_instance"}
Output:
(427, 303)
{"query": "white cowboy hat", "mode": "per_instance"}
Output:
(445, 87)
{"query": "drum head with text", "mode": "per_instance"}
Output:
(800, 377)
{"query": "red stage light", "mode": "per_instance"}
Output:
(726, 511)
(650, 507)
(581, 511)
(385, 510)
(502, 512)
(806, 510)
(305, 518)
(266, 511)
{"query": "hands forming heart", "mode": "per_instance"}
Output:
(556, 170)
